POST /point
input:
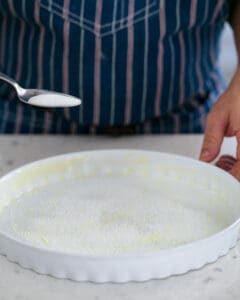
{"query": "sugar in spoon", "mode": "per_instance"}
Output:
(41, 98)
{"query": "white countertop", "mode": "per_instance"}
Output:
(220, 280)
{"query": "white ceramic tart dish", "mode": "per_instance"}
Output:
(117, 215)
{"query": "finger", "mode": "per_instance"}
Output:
(227, 157)
(235, 171)
(226, 160)
(224, 166)
(214, 134)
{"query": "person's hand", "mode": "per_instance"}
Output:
(224, 120)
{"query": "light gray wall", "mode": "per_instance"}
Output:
(228, 57)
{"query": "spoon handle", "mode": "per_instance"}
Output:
(11, 81)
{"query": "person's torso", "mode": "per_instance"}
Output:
(128, 60)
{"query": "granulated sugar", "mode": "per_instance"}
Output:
(112, 213)
(54, 100)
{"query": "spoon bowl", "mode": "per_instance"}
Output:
(39, 97)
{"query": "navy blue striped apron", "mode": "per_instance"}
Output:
(139, 66)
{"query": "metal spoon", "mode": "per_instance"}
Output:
(42, 98)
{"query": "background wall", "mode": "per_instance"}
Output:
(228, 57)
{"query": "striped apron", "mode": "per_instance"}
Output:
(139, 66)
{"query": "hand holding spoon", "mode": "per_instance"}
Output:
(41, 98)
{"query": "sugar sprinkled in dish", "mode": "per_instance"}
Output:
(112, 212)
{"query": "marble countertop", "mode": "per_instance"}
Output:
(220, 280)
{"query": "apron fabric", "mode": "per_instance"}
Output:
(139, 66)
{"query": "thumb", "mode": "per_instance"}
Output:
(213, 137)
